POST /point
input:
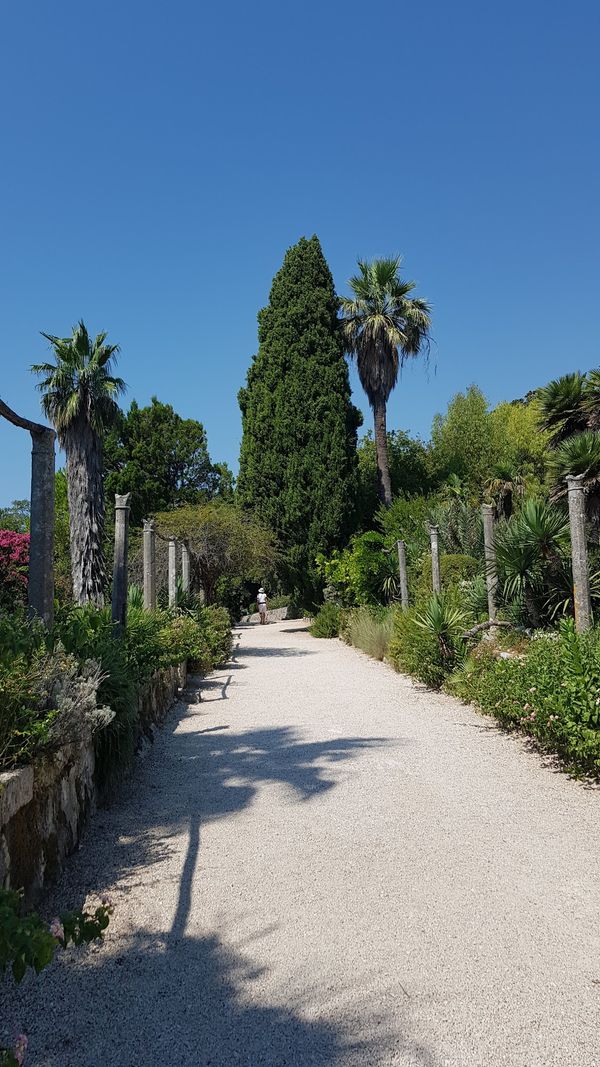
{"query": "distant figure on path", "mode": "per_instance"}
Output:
(261, 600)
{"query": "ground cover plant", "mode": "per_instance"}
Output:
(550, 691)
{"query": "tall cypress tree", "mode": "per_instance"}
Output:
(298, 454)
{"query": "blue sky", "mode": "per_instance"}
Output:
(158, 159)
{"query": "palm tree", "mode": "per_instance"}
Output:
(502, 486)
(579, 454)
(562, 404)
(79, 398)
(382, 326)
(531, 553)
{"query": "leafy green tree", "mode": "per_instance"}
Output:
(79, 397)
(298, 453)
(224, 543)
(161, 459)
(383, 326)
(461, 441)
(409, 472)
(15, 516)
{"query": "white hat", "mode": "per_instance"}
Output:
(261, 590)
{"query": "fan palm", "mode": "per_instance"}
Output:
(382, 327)
(562, 406)
(502, 487)
(531, 550)
(79, 398)
(579, 455)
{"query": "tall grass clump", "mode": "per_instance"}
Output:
(371, 630)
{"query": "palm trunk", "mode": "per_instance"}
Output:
(86, 514)
(384, 485)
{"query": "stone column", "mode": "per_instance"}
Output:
(40, 589)
(491, 576)
(435, 559)
(172, 572)
(149, 565)
(579, 557)
(185, 567)
(119, 589)
(401, 546)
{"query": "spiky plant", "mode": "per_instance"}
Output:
(79, 397)
(531, 553)
(383, 325)
(562, 407)
(446, 622)
(579, 455)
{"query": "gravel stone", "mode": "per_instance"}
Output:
(321, 863)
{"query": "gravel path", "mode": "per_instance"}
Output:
(321, 864)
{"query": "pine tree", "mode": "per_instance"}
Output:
(298, 465)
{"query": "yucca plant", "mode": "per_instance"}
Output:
(445, 621)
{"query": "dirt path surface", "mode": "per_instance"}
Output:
(320, 864)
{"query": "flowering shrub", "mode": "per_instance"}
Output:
(27, 942)
(551, 692)
(14, 563)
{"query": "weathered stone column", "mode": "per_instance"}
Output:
(579, 556)
(185, 567)
(435, 559)
(40, 589)
(401, 546)
(491, 575)
(172, 572)
(119, 587)
(149, 565)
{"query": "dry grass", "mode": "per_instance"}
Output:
(371, 630)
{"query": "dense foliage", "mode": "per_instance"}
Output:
(161, 459)
(225, 544)
(80, 678)
(14, 563)
(298, 453)
(550, 691)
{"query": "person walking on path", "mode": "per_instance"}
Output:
(261, 600)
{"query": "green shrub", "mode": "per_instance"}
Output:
(551, 691)
(47, 697)
(326, 622)
(369, 629)
(427, 641)
(454, 570)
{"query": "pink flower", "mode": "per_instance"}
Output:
(57, 929)
(21, 1048)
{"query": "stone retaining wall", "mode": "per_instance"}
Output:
(44, 807)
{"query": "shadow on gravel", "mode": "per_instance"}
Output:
(168, 997)
(277, 650)
(151, 1000)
